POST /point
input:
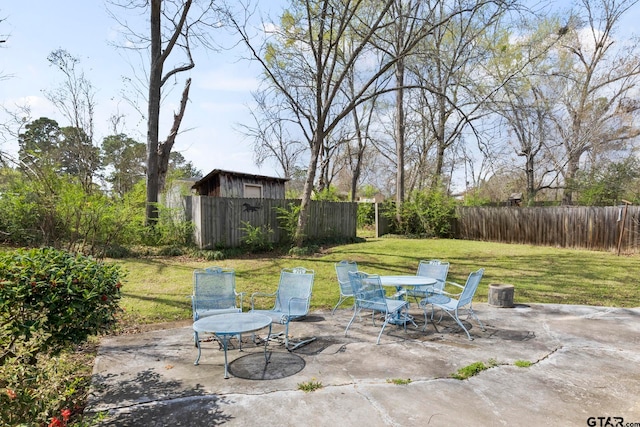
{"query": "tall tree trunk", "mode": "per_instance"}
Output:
(572, 171)
(531, 185)
(318, 141)
(155, 83)
(400, 142)
(440, 140)
(356, 169)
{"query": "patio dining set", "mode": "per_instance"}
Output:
(218, 309)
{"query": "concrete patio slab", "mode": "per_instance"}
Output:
(585, 364)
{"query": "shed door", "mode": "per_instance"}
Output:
(252, 191)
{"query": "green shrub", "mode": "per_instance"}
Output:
(426, 213)
(257, 238)
(329, 194)
(50, 299)
(288, 219)
(53, 210)
(170, 229)
(36, 394)
(22, 211)
(366, 214)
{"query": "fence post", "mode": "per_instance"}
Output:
(624, 219)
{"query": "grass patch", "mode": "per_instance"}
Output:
(523, 363)
(157, 287)
(310, 386)
(399, 381)
(469, 371)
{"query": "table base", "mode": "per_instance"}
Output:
(224, 340)
(402, 320)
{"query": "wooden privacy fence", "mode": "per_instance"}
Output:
(221, 221)
(586, 227)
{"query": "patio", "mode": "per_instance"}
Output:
(585, 364)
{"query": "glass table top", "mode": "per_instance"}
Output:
(407, 280)
(232, 323)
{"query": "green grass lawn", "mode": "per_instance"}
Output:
(158, 289)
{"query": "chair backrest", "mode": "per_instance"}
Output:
(368, 291)
(294, 291)
(342, 270)
(435, 269)
(213, 289)
(470, 288)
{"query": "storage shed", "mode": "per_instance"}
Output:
(515, 199)
(222, 183)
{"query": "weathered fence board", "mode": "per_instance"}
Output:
(587, 227)
(221, 222)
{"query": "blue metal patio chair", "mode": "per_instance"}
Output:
(452, 306)
(291, 302)
(369, 295)
(342, 270)
(214, 292)
(435, 269)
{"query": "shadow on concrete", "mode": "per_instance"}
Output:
(147, 385)
(194, 411)
(152, 398)
(253, 366)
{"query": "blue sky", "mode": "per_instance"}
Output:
(220, 90)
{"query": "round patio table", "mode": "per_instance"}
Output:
(225, 326)
(407, 280)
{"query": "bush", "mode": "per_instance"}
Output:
(329, 194)
(50, 299)
(36, 395)
(52, 210)
(24, 216)
(427, 213)
(169, 230)
(257, 238)
(366, 214)
(288, 219)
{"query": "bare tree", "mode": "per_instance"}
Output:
(272, 134)
(176, 28)
(448, 71)
(74, 98)
(596, 78)
(357, 146)
(306, 62)
(525, 101)
(402, 30)
(18, 118)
